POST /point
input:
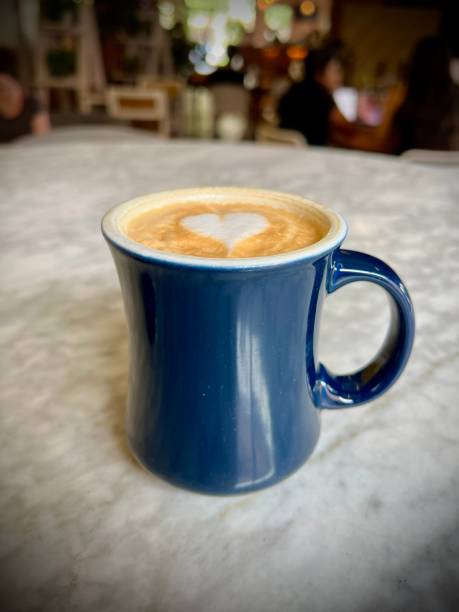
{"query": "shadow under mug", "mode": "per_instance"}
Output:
(225, 390)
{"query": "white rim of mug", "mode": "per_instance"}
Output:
(112, 220)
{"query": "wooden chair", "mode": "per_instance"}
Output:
(135, 104)
(174, 88)
(273, 135)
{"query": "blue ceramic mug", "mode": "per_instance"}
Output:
(225, 390)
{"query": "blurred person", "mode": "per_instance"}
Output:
(20, 113)
(428, 114)
(310, 108)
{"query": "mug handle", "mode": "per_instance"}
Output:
(376, 377)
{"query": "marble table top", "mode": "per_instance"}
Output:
(370, 522)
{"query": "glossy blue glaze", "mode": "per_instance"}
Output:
(224, 389)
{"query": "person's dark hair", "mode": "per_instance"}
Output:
(317, 59)
(429, 81)
(430, 97)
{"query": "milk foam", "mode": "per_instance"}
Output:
(229, 228)
(226, 229)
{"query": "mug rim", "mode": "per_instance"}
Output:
(113, 217)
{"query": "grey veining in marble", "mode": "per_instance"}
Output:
(369, 523)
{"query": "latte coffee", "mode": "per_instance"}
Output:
(226, 229)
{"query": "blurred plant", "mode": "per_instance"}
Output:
(234, 33)
(54, 10)
(60, 62)
(131, 64)
(279, 19)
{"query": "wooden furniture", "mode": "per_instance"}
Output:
(82, 37)
(135, 104)
(151, 48)
(174, 88)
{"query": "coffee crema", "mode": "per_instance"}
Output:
(224, 229)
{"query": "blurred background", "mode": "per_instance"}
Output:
(377, 75)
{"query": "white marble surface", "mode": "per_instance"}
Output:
(369, 523)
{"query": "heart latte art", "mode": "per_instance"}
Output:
(229, 229)
(224, 229)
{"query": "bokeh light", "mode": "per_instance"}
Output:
(308, 8)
